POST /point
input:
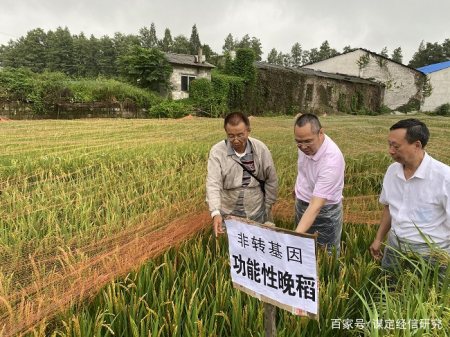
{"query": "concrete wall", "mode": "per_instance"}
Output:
(178, 71)
(402, 83)
(440, 93)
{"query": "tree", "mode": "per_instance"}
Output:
(243, 64)
(384, 52)
(397, 55)
(148, 37)
(81, 53)
(296, 55)
(107, 57)
(207, 51)
(123, 43)
(228, 67)
(92, 67)
(166, 43)
(244, 43)
(314, 55)
(229, 44)
(60, 51)
(194, 41)
(305, 57)
(428, 54)
(31, 51)
(325, 51)
(272, 56)
(146, 68)
(181, 45)
(255, 45)
(347, 49)
(280, 59)
(8, 56)
(446, 48)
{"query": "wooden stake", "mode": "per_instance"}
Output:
(270, 325)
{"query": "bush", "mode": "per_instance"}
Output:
(243, 65)
(216, 97)
(229, 89)
(443, 110)
(171, 109)
(384, 109)
(49, 88)
(44, 91)
(202, 95)
(15, 84)
(412, 105)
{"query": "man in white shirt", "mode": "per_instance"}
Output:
(416, 197)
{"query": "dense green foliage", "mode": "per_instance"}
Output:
(202, 94)
(412, 105)
(298, 57)
(45, 92)
(243, 65)
(246, 42)
(430, 53)
(79, 56)
(215, 98)
(171, 109)
(194, 41)
(139, 60)
(443, 110)
(146, 68)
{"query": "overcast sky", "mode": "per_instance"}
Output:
(278, 24)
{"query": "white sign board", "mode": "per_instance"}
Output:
(277, 266)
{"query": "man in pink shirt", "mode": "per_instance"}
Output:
(319, 185)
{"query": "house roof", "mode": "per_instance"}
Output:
(431, 68)
(312, 72)
(188, 60)
(367, 51)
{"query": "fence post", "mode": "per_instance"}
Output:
(270, 325)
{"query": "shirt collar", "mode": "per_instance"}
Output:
(421, 171)
(231, 152)
(321, 149)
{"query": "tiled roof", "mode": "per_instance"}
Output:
(311, 72)
(186, 59)
(431, 68)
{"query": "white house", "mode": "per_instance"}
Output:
(439, 77)
(187, 68)
(403, 85)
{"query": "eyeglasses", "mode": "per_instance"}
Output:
(240, 136)
(393, 146)
(300, 143)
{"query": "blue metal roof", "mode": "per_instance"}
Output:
(434, 67)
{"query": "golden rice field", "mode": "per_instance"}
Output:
(104, 232)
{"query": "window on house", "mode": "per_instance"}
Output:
(309, 92)
(186, 82)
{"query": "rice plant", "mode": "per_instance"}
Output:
(76, 196)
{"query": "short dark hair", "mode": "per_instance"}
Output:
(312, 119)
(234, 118)
(415, 130)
